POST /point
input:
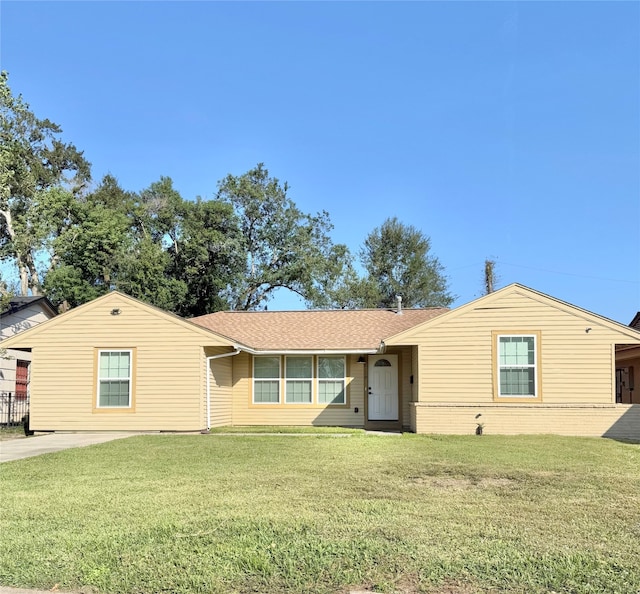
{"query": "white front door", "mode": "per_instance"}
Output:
(383, 388)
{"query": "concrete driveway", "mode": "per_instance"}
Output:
(16, 449)
(8, 590)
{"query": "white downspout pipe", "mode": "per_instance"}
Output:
(209, 359)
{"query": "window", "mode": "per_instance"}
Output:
(307, 380)
(382, 363)
(331, 382)
(266, 380)
(517, 366)
(299, 379)
(114, 379)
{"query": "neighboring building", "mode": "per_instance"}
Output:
(22, 314)
(514, 361)
(628, 369)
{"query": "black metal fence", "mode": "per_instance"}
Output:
(12, 410)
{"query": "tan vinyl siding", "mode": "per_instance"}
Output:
(169, 391)
(615, 421)
(456, 356)
(221, 387)
(247, 413)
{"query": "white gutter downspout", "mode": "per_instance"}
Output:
(209, 359)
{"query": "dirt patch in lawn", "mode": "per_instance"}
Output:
(462, 483)
(410, 585)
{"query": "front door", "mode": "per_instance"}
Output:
(383, 388)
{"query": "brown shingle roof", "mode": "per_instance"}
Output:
(314, 330)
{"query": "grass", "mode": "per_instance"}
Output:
(11, 432)
(207, 513)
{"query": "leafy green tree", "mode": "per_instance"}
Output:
(338, 285)
(144, 273)
(88, 254)
(283, 247)
(158, 212)
(207, 256)
(6, 294)
(397, 260)
(178, 255)
(114, 241)
(34, 166)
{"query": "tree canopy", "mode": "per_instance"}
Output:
(283, 247)
(38, 174)
(75, 242)
(397, 260)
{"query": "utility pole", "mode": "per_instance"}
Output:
(489, 276)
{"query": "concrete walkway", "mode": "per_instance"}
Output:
(17, 449)
(7, 590)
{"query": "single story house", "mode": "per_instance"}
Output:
(21, 314)
(514, 361)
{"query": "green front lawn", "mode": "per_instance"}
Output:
(208, 513)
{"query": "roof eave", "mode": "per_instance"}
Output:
(253, 351)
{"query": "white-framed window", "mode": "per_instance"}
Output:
(266, 380)
(517, 366)
(298, 373)
(115, 368)
(331, 380)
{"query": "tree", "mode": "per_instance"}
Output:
(283, 247)
(206, 256)
(6, 294)
(397, 261)
(178, 255)
(88, 254)
(34, 166)
(158, 212)
(145, 273)
(114, 240)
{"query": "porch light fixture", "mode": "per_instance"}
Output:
(361, 359)
(116, 312)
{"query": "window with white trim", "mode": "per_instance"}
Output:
(331, 380)
(114, 379)
(298, 372)
(266, 380)
(517, 366)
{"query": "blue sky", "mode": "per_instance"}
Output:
(502, 130)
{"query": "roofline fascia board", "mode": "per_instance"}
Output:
(306, 351)
(41, 301)
(170, 317)
(522, 290)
